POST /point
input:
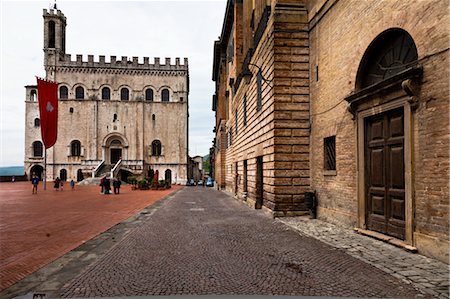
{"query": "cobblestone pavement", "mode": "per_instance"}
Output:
(429, 275)
(203, 242)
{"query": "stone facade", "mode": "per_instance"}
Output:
(307, 62)
(116, 111)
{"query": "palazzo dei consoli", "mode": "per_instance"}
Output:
(117, 118)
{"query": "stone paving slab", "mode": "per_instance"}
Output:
(202, 242)
(429, 275)
(38, 228)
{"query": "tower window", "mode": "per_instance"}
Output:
(75, 148)
(79, 93)
(106, 93)
(71, 110)
(37, 122)
(51, 34)
(124, 94)
(114, 117)
(330, 153)
(153, 117)
(156, 148)
(63, 93)
(149, 94)
(33, 95)
(165, 95)
(37, 149)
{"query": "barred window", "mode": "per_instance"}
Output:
(106, 93)
(165, 95)
(79, 93)
(75, 148)
(330, 153)
(63, 93)
(37, 149)
(124, 94)
(149, 95)
(156, 148)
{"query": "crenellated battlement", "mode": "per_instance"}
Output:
(124, 63)
(53, 12)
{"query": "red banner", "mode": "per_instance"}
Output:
(48, 110)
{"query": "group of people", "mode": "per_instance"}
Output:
(58, 184)
(105, 185)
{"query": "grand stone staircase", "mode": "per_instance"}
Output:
(105, 170)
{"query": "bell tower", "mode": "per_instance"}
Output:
(54, 37)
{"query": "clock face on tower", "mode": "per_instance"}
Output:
(390, 53)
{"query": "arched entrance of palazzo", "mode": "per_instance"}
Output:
(383, 103)
(37, 170)
(115, 148)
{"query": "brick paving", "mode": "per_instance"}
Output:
(37, 229)
(430, 275)
(202, 242)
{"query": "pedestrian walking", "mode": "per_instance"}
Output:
(118, 186)
(115, 186)
(56, 183)
(72, 184)
(13, 179)
(34, 182)
(62, 185)
(102, 183)
(106, 186)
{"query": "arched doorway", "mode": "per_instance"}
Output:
(115, 151)
(63, 174)
(384, 133)
(80, 176)
(37, 170)
(168, 176)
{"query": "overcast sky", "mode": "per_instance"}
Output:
(141, 28)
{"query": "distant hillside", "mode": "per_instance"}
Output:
(11, 170)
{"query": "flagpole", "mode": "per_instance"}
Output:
(45, 169)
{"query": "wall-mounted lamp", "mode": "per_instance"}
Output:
(247, 74)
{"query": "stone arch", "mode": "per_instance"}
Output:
(169, 90)
(76, 88)
(130, 91)
(63, 91)
(105, 92)
(38, 170)
(115, 147)
(390, 53)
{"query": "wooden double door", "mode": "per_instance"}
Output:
(385, 173)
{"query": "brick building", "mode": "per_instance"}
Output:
(117, 117)
(348, 99)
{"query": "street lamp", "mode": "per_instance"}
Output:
(247, 74)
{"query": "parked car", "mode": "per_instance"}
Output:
(190, 182)
(209, 182)
(200, 182)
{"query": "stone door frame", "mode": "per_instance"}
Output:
(408, 160)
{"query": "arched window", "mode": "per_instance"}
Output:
(63, 174)
(75, 148)
(79, 93)
(153, 117)
(165, 95)
(156, 148)
(51, 34)
(33, 95)
(37, 122)
(124, 94)
(37, 149)
(392, 52)
(149, 95)
(63, 93)
(106, 93)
